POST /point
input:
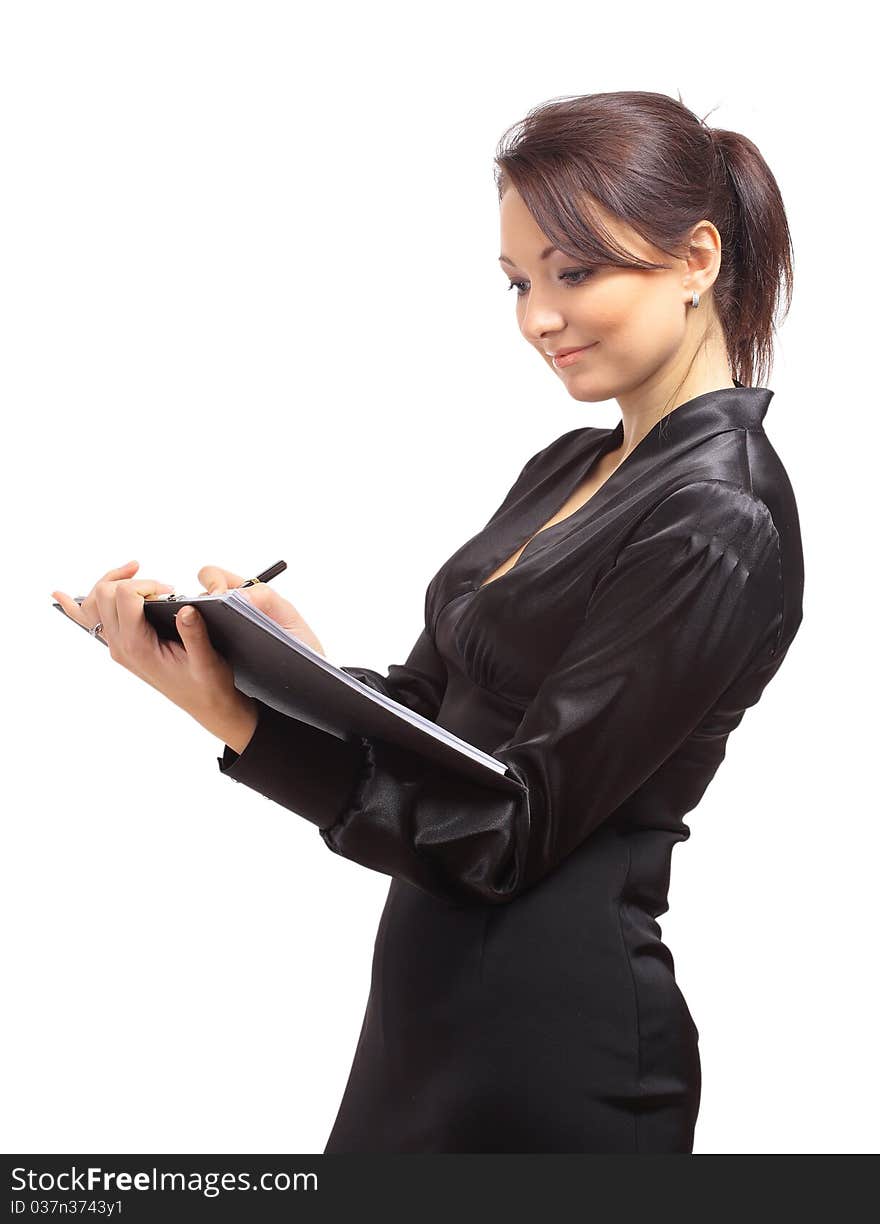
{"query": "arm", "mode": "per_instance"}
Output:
(309, 770)
(692, 603)
(420, 683)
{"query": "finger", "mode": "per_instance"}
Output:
(269, 601)
(122, 571)
(71, 607)
(104, 599)
(194, 635)
(216, 581)
(128, 627)
(84, 612)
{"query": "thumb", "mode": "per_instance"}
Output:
(193, 632)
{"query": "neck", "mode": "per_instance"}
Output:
(670, 387)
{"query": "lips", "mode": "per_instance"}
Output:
(568, 356)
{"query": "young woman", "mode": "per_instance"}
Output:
(601, 635)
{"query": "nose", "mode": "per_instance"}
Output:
(540, 322)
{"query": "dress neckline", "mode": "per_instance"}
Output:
(711, 412)
(582, 473)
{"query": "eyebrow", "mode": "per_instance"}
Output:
(547, 251)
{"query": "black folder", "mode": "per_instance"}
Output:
(273, 665)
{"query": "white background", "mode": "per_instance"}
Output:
(251, 309)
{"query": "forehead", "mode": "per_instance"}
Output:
(523, 239)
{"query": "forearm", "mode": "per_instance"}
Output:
(234, 723)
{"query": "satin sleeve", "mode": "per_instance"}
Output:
(311, 771)
(692, 602)
(419, 683)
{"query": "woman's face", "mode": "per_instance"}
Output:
(635, 320)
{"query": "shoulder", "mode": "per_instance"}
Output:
(713, 513)
(710, 542)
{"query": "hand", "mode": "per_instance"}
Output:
(87, 614)
(217, 581)
(193, 675)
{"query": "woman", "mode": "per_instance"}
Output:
(601, 635)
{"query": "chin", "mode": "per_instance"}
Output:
(588, 395)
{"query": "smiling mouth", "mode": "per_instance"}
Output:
(565, 359)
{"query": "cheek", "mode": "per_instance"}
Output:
(634, 311)
(611, 310)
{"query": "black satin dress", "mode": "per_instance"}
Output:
(522, 997)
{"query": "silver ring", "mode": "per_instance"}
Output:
(97, 629)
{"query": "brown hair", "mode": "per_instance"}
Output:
(652, 163)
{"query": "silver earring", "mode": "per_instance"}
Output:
(695, 299)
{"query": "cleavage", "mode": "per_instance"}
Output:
(579, 498)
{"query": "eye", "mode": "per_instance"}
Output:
(575, 277)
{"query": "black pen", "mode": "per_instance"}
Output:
(272, 572)
(267, 575)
